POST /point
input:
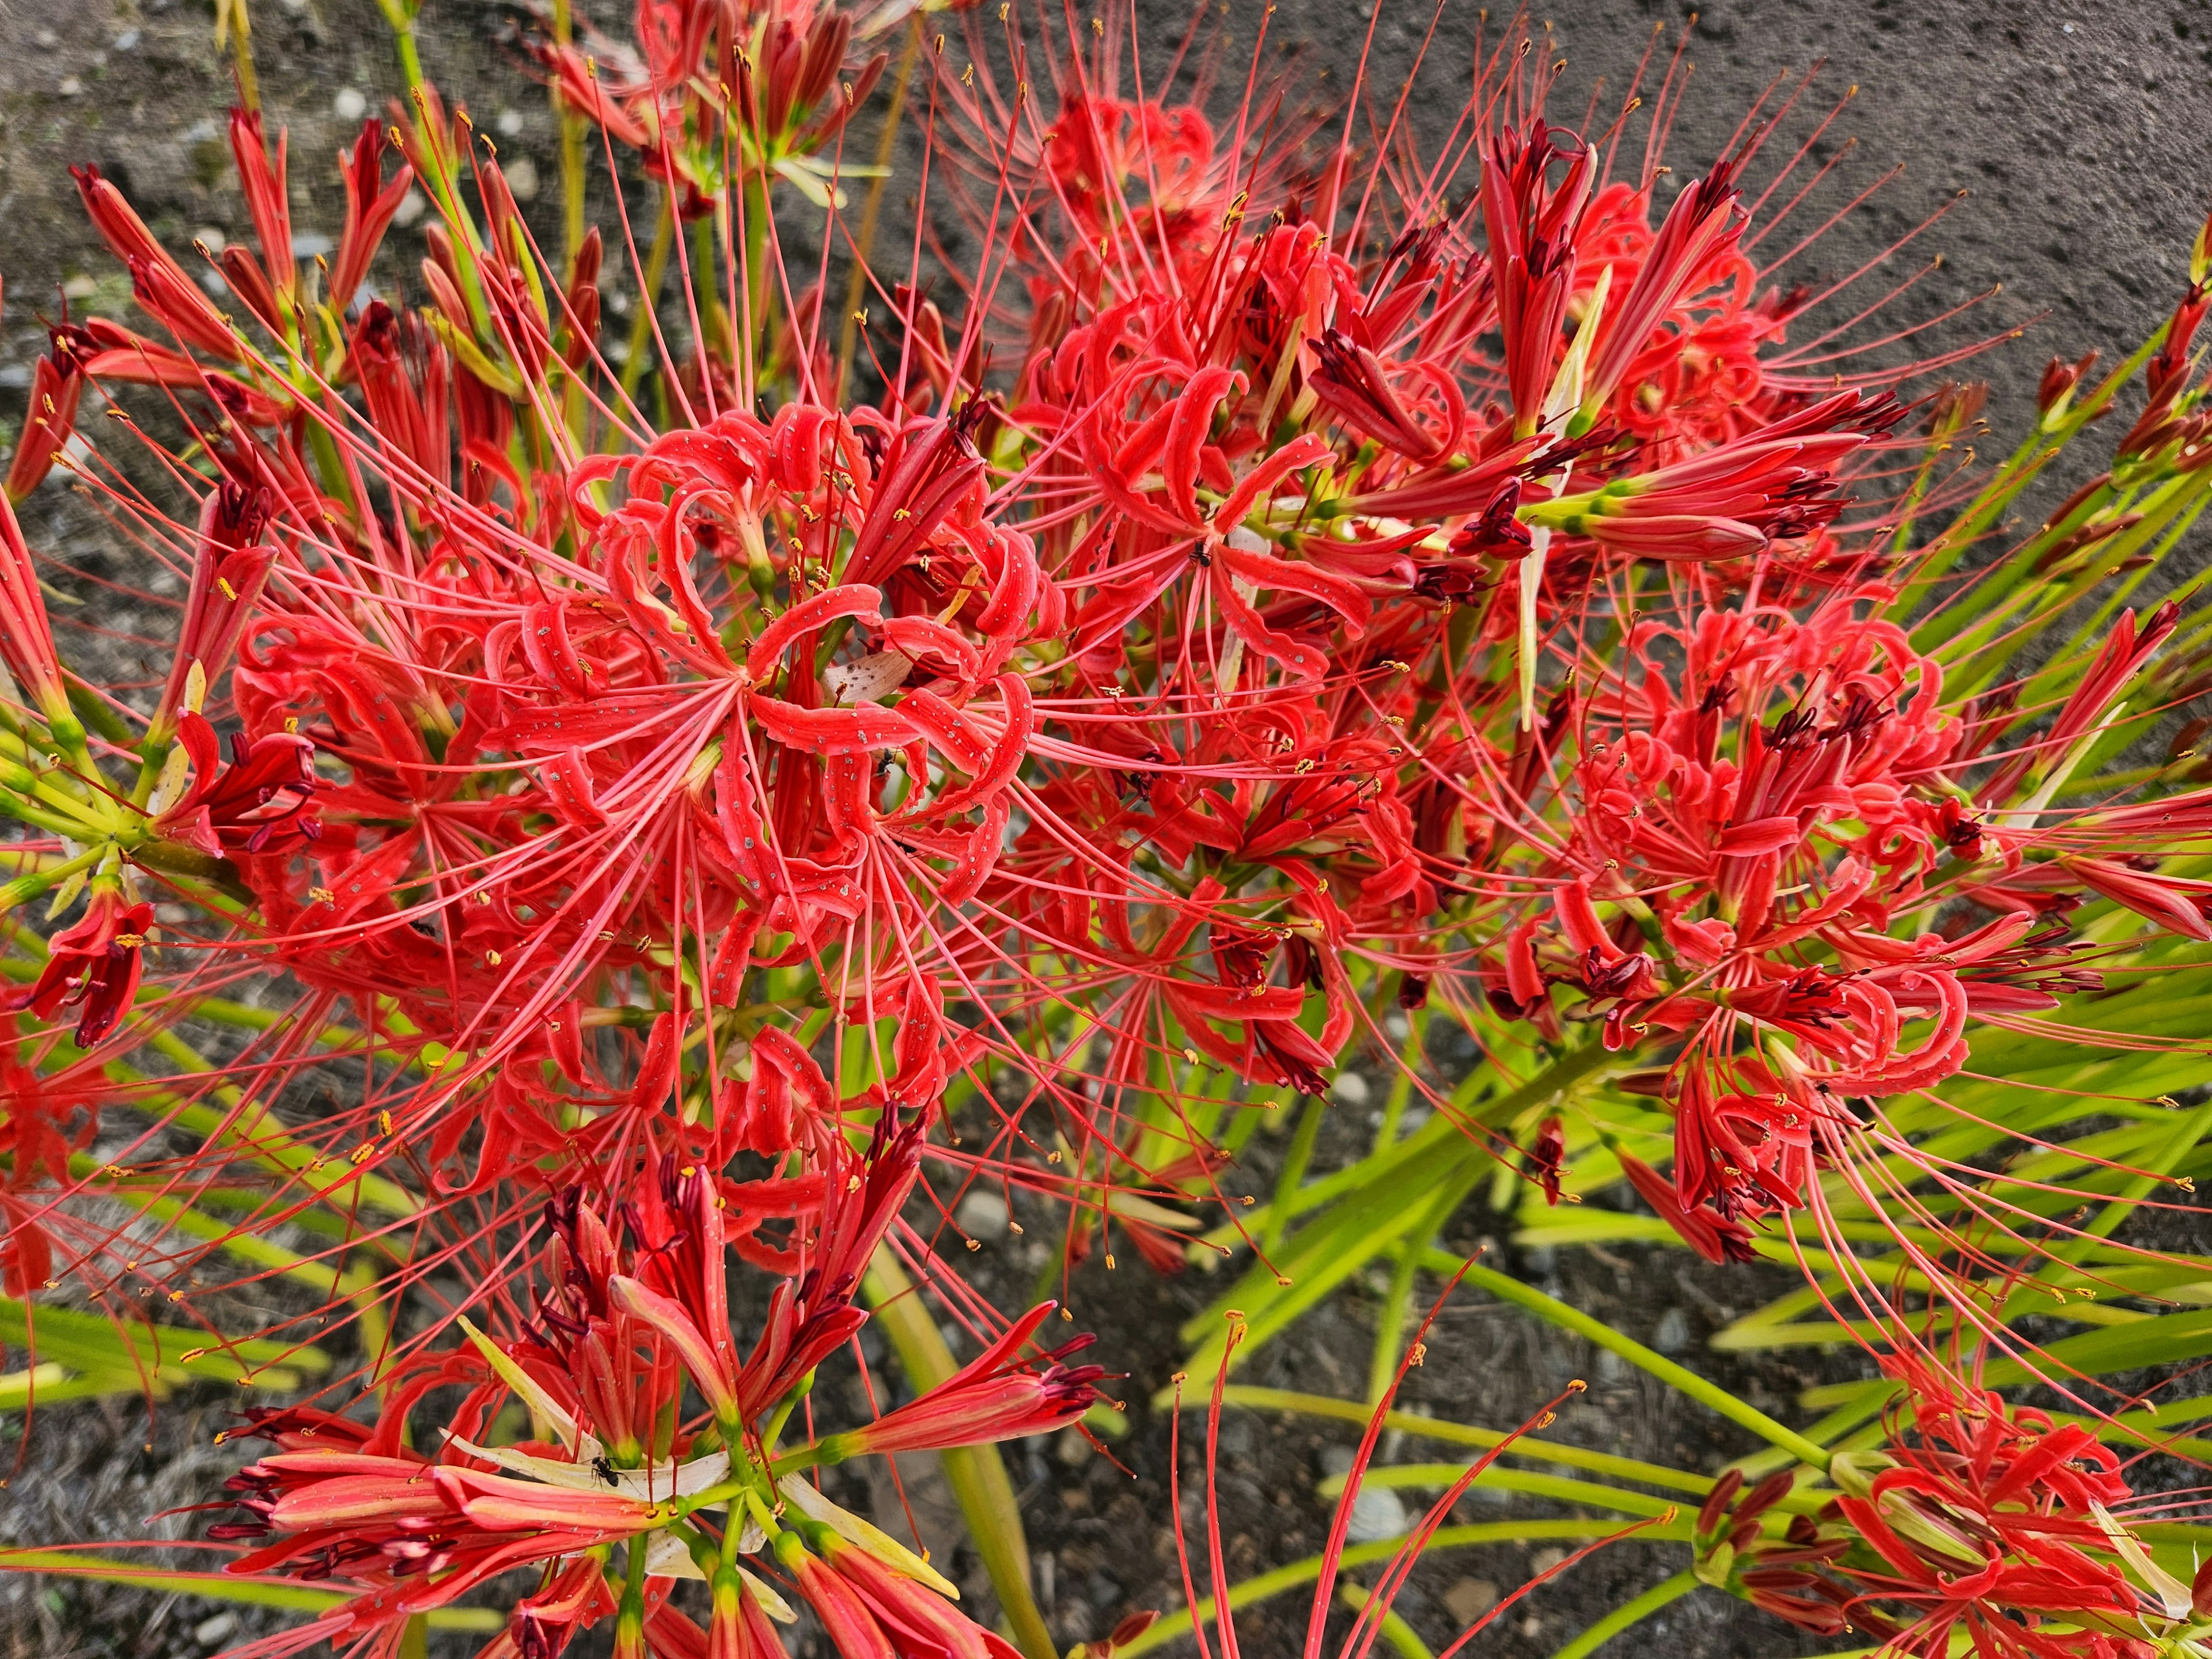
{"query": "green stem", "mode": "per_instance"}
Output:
(572, 150)
(1681, 1378)
(1460, 1434)
(1663, 1594)
(976, 1474)
(1440, 1130)
(444, 187)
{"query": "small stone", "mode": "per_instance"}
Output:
(350, 105)
(1672, 1333)
(1377, 1513)
(982, 1214)
(47, 40)
(70, 86)
(1468, 1599)
(1071, 1449)
(126, 41)
(309, 244)
(80, 287)
(1545, 1559)
(212, 238)
(1076, 1500)
(209, 1632)
(510, 123)
(522, 179)
(1351, 1088)
(412, 208)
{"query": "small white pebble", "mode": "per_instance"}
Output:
(510, 123)
(1377, 1513)
(410, 208)
(982, 1214)
(522, 178)
(71, 86)
(1351, 1088)
(350, 105)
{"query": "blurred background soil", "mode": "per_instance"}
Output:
(2072, 144)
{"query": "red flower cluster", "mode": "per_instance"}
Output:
(621, 1328)
(1980, 1520)
(1274, 588)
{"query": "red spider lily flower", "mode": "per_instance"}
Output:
(1544, 1157)
(1786, 1576)
(413, 1535)
(46, 1121)
(161, 287)
(1533, 224)
(576, 1597)
(261, 802)
(230, 565)
(809, 1321)
(1978, 1519)
(50, 416)
(709, 1360)
(1990, 1519)
(871, 1612)
(993, 1397)
(1774, 483)
(406, 375)
(268, 202)
(1697, 225)
(672, 1291)
(94, 961)
(2167, 376)
(2056, 388)
(1355, 384)
(370, 204)
(1713, 1237)
(26, 638)
(2176, 903)
(127, 358)
(2124, 653)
